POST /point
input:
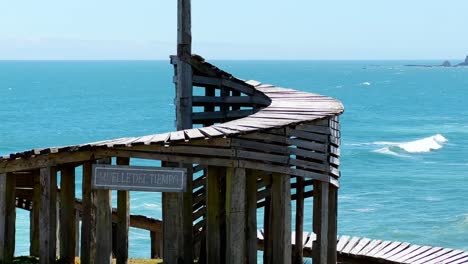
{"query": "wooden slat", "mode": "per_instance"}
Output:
(404, 252)
(350, 245)
(387, 249)
(425, 260)
(298, 254)
(362, 243)
(251, 215)
(424, 254)
(416, 252)
(378, 248)
(320, 222)
(444, 257)
(396, 250)
(88, 222)
(34, 230)
(369, 247)
(456, 258)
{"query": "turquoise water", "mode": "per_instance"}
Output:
(405, 132)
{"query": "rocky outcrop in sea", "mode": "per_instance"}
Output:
(444, 64)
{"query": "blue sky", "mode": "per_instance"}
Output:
(240, 29)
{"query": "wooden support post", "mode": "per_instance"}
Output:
(298, 254)
(251, 211)
(7, 217)
(214, 214)
(67, 215)
(48, 216)
(34, 216)
(266, 229)
(104, 224)
(320, 222)
(177, 223)
(280, 219)
(156, 244)
(235, 216)
(123, 220)
(332, 223)
(88, 219)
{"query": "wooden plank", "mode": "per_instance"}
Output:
(459, 261)
(457, 257)
(444, 257)
(362, 243)
(368, 248)
(378, 248)
(214, 215)
(424, 254)
(280, 218)
(267, 243)
(123, 222)
(67, 215)
(351, 244)
(177, 230)
(320, 222)
(48, 216)
(235, 216)
(396, 250)
(387, 249)
(103, 223)
(156, 244)
(34, 220)
(7, 217)
(298, 254)
(433, 256)
(251, 211)
(416, 252)
(88, 220)
(404, 252)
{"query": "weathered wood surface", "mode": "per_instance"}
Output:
(123, 220)
(215, 175)
(67, 215)
(88, 221)
(235, 216)
(103, 223)
(7, 217)
(48, 215)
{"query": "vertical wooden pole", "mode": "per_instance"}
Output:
(280, 219)
(123, 220)
(88, 219)
(48, 216)
(177, 229)
(104, 224)
(184, 70)
(332, 223)
(298, 255)
(7, 217)
(235, 216)
(320, 222)
(34, 215)
(266, 230)
(214, 214)
(251, 211)
(156, 244)
(67, 215)
(77, 233)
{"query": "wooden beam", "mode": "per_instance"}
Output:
(123, 221)
(332, 223)
(320, 222)
(214, 214)
(235, 216)
(88, 220)
(177, 222)
(251, 218)
(298, 254)
(48, 215)
(67, 215)
(7, 217)
(280, 219)
(103, 223)
(156, 244)
(34, 216)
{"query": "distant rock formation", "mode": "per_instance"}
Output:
(446, 64)
(465, 63)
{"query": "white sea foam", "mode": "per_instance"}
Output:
(365, 83)
(423, 145)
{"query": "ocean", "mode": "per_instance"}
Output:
(404, 133)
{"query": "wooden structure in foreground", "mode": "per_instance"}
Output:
(255, 146)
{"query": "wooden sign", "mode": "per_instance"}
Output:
(139, 178)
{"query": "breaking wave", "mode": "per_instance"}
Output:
(423, 145)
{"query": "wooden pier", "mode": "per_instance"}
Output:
(242, 146)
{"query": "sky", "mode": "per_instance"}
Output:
(240, 29)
